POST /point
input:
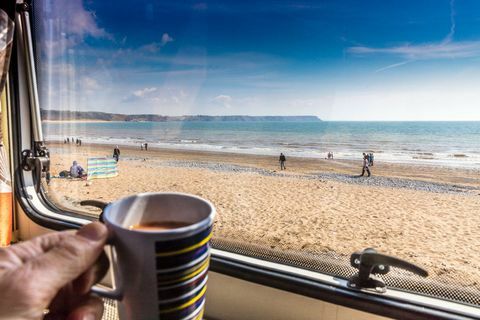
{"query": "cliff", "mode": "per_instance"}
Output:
(103, 116)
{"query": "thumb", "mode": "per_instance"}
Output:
(68, 259)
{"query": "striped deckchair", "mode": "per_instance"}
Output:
(103, 167)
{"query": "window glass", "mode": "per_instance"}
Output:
(266, 109)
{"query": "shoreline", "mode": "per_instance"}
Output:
(295, 165)
(453, 160)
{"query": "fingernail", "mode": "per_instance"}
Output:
(93, 231)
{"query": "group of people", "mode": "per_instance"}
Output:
(144, 146)
(367, 162)
(77, 141)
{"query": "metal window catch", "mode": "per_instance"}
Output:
(95, 203)
(369, 262)
(38, 162)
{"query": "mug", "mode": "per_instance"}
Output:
(160, 255)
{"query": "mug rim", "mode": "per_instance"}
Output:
(170, 232)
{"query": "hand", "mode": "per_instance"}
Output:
(54, 272)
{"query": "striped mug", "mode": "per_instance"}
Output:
(160, 255)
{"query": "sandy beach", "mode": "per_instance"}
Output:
(419, 213)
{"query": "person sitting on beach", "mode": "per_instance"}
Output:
(76, 170)
(282, 160)
(365, 165)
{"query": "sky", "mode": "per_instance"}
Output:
(339, 60)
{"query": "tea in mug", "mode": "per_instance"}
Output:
(158, 226)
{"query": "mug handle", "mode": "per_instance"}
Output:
(117, 292)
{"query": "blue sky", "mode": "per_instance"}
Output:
(339, 60)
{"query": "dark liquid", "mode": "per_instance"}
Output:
(158, 226)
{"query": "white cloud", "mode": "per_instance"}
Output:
(447, 48)
(154, 47)
(450, 35)
(166, 39)
(72, 24)
(89, 83)
(223, 100)
(460, 49)
(144, 92)
(150, 47)
(153, 98)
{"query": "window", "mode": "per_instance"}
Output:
(266, 109)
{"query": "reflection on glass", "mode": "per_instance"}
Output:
(202, 97)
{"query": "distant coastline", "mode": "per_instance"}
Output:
(94, 116)
(76, 121)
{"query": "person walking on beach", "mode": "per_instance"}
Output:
(370, 159)
(365, 165)
(146, 146)
(282, 160)
(116, 153)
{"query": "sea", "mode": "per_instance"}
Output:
(453, 144)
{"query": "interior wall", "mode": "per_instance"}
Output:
(231, 298)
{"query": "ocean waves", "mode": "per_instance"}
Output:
(452, 144)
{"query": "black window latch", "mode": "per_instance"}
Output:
(369, 262)
(37, 161)
(96, 203)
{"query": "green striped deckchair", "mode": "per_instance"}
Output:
(103, 167)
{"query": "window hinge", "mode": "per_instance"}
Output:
(23, 6)
(369, 262)
(37, 161)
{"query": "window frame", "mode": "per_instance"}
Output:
(42, 211)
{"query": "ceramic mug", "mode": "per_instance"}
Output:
(160, 255)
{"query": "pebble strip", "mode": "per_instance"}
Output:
(377, 181)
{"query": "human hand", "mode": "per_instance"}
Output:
(54, 272)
